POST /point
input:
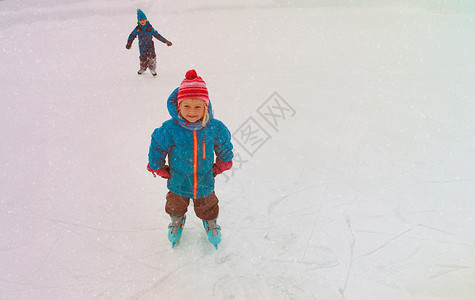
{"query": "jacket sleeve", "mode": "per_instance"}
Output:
(222, 145)
(158, 36)
(159, 148)
(133, 35)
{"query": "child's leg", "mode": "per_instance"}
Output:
(143, 63)
(207, 208)
(176, 205)
(152, 61)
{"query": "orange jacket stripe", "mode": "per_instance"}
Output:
(195, 164)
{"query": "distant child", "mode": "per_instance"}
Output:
(145, 31)
(190, 139)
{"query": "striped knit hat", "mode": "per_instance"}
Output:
(193, 86)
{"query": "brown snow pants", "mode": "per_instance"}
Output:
(206, 208)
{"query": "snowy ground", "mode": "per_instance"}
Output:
(363, 189)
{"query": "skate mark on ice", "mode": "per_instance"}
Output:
(293, 193)
(311, 265)
(451, 269)
(156, 284)
(352, 250)
(386, 243)
(454, 235)
(439, 230)
(110, 249)
(44, 261)
(314, 224)
(59, 222)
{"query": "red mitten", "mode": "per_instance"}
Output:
(221, 166)
(163, 172)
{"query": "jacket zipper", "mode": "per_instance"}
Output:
(195, 161)
(204, 145)
(195, 164)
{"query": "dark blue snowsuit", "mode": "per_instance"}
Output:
(146, 45)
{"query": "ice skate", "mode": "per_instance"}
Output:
(175, 228)
(213, 230)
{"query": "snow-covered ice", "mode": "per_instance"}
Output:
(360, 187)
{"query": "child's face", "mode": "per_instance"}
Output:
(143, 22)
(192, 110)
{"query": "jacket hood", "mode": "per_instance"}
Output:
(172, 105)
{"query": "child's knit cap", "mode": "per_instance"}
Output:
(141, 15)
(193, 87)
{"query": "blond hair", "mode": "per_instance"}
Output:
(205, 119)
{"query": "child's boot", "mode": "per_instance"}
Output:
(213, 230)
(175, 228)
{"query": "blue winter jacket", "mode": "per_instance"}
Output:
(145, 34)
(190, 148)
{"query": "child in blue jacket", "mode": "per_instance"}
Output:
(190, 139)
(145, 32)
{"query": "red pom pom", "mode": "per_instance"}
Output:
(191, 74)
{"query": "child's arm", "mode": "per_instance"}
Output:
(159, 148)
(159, 37)
(223, 146)
(220, 166)
(224, 151)
(131, 38)
(163, 172)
